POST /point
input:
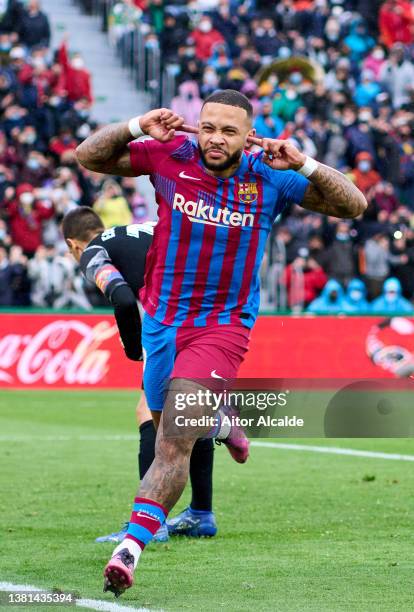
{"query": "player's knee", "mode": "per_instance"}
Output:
(172, 448)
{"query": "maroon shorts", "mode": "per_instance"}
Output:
(211, 352)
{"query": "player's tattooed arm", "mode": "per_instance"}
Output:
(106, 150)
(332, 193)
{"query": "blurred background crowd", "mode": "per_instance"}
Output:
(335, 76)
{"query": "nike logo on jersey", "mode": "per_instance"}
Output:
(199, 212)
(184, 175)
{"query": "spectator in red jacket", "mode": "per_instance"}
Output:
(364, 175)
(76, 80)
(64, 142)
(26, 216)
(205, 38)
(304, 279)
(38, 73)
(396, 20)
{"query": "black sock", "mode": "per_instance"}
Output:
(201, 475)
(146, 447)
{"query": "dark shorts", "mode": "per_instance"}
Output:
(211, 352)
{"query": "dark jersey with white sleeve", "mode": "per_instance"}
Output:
(115, 262)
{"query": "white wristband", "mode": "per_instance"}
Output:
(135, 127)
(308, 167)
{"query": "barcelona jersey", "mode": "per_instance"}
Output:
(203, 264)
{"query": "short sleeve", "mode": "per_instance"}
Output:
(140, 153)
(147, 156)
(291, 188)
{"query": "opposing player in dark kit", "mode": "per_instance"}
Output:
(114, 259)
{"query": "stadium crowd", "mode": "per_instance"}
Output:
(45, 111)
(336, 76)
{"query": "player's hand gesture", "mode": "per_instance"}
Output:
(279, 154)
(162, 124)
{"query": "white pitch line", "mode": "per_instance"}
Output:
(86, 438)
(92, 604)
(335, 450)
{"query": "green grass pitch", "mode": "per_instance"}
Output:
(297, 531)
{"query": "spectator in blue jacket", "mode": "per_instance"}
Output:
(391, 301)
(368, 89)
(331, 300)
(358, 41)
(267, 124)
(355, 301)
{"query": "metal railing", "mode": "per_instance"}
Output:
(144, 62)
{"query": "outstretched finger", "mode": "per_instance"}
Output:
(173, 123)
(255, 140)
(189, 128)
(173, 118)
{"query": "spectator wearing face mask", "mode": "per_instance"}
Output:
(397, 75)
(267, 124)
(358, 40)
(396, 21)
(220, 60)
(391, 302)
(340, 256)
(375, 263)
(304, 278)
(355, 300)
(331, 300)
(33, 26)
(38, 75)
(360, 135)
(76, 79)
(188, 102)
(36, 169)
(340, 78)
(364, 176)
(266, 39)
(368, 89)
(287, 101)
(62, 143)
(205, 38)
(374, 61)
(383, 197)
(210, 81)
(26, 216)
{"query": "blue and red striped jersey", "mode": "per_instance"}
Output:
(203, 264)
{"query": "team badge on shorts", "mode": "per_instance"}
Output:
(248, 192)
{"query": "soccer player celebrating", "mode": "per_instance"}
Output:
(114, 260)
(216, 206)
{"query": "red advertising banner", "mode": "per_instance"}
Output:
(81, 351)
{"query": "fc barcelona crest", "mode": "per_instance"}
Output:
(248, 192)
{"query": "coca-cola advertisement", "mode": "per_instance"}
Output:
(43, 351)
(84, 351)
